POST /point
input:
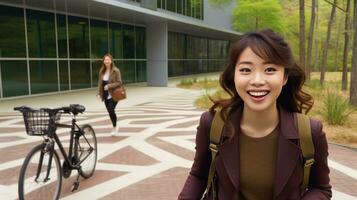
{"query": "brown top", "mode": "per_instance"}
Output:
(257, 166)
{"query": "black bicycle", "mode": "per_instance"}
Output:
(41, 172)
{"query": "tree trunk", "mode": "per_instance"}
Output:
(353, 88)
(337, 47)
(316, 62)
(324, 56)
(310, 39)
(345, 50)
(302, 34)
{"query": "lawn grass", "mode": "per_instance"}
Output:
(345, 134)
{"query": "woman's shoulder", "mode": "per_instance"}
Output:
(316, 127)
(206, 119)
(116, 69)
(207, 116)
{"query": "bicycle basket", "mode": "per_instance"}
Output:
(37, 122)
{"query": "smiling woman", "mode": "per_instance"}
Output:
(259, 154)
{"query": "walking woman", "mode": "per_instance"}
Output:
(259, 155)
(109, 78)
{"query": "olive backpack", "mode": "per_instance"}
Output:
(306, 145)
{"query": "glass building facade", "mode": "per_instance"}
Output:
(192, 54)
(191, 8)
(43, 51)
(47, 51)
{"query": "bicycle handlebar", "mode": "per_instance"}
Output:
(72, 108)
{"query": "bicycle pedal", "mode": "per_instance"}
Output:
(75, 186)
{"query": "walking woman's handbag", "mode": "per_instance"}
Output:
(119, 93)
(306, 144)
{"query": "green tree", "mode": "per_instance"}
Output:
(250, 15)
(219, 2)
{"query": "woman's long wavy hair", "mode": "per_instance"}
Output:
(271, 47)
(103, 68)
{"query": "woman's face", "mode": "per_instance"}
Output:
(257, 81)
(107, 61)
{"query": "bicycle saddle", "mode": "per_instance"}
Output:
(76, 108)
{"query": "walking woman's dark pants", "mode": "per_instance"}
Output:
(110, 104)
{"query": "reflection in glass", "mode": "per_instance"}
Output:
(171, 5)
(96, 64)
(12, 32)
(99, 38)
(14, 78)
(129, 41)
(41, 34)
(140, 42)
(63, 75)
(191, 54)
(179, 6)
(127, 69)
(43, 76)
(140, 71)
(80, 74)
(62, 36)
(116, 40)
(78, 37)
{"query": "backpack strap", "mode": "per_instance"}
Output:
(306, 145)
(215, 137)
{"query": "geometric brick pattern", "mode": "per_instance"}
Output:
(149, 160)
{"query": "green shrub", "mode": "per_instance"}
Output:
(205, 102)
(186, 82)
(336, 108)
(314, 84)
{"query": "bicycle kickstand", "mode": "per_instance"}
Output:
(76, 183)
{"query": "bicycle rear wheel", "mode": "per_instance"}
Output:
(86, 151)
(40, 176)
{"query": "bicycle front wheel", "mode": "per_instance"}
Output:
(86, 151)
(40, 175)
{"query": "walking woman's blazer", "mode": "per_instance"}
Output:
(114, 81)
(289, 166)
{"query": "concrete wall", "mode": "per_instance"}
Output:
(156, 52)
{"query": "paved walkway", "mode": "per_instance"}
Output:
(151, 157)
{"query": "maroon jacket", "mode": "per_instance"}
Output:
(289, 167)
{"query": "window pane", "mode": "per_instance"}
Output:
(43, 76)
(96, 64)
(116, 40)
(171, 5)
(158, 3)
(41, 34)
(80, 74)
(197, 8)
(127, 69)
(188, 8)
(62, 36)
(129, 41)
(179, 6)
(175, 68)
(163, 4)
(140, 43)
(176, 44)
(190, 54)
(99, 38)
(190, 45)
(78, 37)
(203, 48)
(63, 75)
(14, 78)
(12, 32)
(140, 71)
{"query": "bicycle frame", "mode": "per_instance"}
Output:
(76, 132)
